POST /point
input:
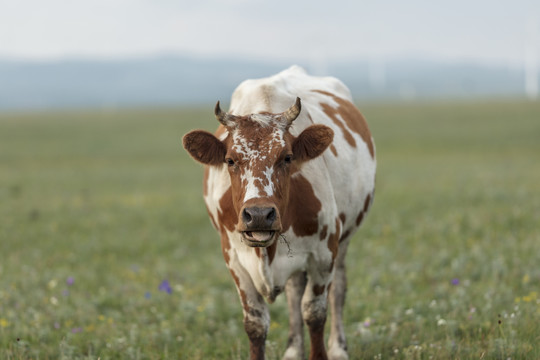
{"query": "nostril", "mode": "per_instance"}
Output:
(271, 215)
(246, 216)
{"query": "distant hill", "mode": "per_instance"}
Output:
(183, 80)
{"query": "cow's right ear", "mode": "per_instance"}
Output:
(204, 147)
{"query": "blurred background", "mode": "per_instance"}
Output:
(123, 53)
(106, 249)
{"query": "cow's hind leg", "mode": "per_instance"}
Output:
(295, 290)
(337, 344)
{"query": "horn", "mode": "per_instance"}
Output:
(220, 115)
(292, 113)
(228, 120)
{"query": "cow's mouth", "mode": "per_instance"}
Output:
(259, 238)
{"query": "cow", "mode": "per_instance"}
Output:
(289, 176)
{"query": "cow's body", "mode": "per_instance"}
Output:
(326, 200)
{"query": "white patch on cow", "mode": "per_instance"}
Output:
(244, 148)
(269, 185)
(224, 135)
(278, 137)
(252, 191)
(263, 120)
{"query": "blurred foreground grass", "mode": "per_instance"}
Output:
(106, 250)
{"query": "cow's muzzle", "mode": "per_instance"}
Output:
(259, 225)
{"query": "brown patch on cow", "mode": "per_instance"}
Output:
(226, 214)
(352, 117)
(318, 289)
(324, 232)
(345, 235)
(332, 114)
(367, 203)
(304, 206)
(364, 211)
(333, 241)
(334, 150)
(360, 217)
(225, 247)
(342, 217)
(270, 251)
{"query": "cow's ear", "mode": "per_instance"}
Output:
(204, 147)
(312, 142)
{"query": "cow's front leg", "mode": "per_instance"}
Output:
(256, 315)
(314, 306)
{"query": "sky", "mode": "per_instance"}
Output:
(495, 32)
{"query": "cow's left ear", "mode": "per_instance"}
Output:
(312, 142)
(204, 147)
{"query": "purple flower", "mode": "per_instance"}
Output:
(70, 281)
(455, 281)
(165, 286)
(57, 325)
(147, 295)
(76, 330)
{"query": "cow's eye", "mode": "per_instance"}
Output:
(229, 161)
(288, 159)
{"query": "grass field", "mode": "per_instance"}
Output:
(106, 250)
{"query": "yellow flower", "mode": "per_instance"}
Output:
(526, 279)
(4, 323)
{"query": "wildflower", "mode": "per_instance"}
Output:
(367, 322)
(69, 281)
(76, 330)
(147, 295)
(52, 284)
(455, 281)
(165, 286)
(57, 325)
(409, 311)
(53, 300)
(4, 323)
(441, 322)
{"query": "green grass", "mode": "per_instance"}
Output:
(445, 267)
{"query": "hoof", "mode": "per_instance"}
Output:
(293, 353)
(337, 353)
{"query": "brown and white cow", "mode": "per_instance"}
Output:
(286, 187)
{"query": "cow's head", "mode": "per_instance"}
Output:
(260, 155)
